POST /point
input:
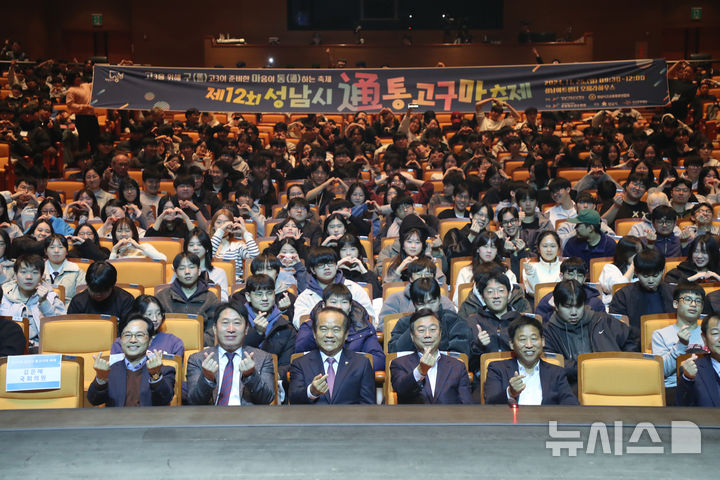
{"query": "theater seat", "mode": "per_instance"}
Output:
(82, 335)
(621, 379)
(650, 323)
(70, 394)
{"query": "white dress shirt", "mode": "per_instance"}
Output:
(336, 365)
(532, 393)
(222, 363)
(431, 374)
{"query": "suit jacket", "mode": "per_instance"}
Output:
(112, 394)
(704, 391)
(354, 379)
(451, 385)
(258, 388)
(555, 387)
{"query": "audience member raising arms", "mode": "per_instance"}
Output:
(84, 207)
(622, 268)
(412, 245)
(485, 248)
(352, 263)
(335, 226)
(198, 242)
(172, 221)
(126, 242)
(129, 193)
(231, 240)
(30, 296)
(86, 244)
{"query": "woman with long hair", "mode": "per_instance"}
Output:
(486, 246)
(352, 263)
(86, 244)
(622, 269)
(172, 221)
(126, 242)
(83, 208)
(129, 196)
(58, 270)
(231, 240)
(702, 263)
(197, 241)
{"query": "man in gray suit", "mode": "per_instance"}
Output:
(229, 373)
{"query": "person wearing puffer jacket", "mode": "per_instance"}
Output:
(572, 268)
(490, 323)
(456, 334)
(361, 337)
(28, 296)
(575, 329)
(474, 302)
(400, 302)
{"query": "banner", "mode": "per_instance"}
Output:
(572, 86)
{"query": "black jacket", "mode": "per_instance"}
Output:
(496, 327)
(280, 340)
(594, 332)
(629, 301)
(456, 334)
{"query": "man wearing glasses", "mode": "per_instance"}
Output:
(663, 239)
(681, 337)
(140, 379)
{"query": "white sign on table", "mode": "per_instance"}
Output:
(33, 372)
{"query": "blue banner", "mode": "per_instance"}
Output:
(572, 86)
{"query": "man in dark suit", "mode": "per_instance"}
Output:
(230, 373)
(332, 374)
(699, 383)
(426, 375)
(140, 380)
(526, 379)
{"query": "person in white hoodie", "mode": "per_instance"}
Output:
(29, 296)
(323, 271)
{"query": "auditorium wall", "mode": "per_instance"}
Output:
(171, 32)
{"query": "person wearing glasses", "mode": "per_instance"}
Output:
(663, 239)
(681, 337)
(140, 379)
(514, 239)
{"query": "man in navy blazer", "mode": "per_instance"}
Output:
(332, 374)
(140, 380)
(699, 382)
(426, 376)
(526, 379)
